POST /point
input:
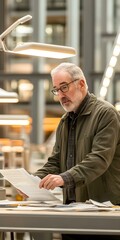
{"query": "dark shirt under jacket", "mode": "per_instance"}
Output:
(72, 121)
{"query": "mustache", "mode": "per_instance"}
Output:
(64, 99)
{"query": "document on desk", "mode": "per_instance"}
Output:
(28, 184)
(77, 207)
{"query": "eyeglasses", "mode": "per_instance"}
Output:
(64, 88)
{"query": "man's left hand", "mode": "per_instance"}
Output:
(51, 181)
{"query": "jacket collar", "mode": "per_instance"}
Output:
(85, 107)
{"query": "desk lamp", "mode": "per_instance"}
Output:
(34, 48)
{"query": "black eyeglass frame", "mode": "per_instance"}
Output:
(62, 89)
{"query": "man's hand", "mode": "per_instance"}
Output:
(22, 194)
(51, 181)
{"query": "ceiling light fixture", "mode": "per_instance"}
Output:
(34, 48)
(16, 120)
(8, 97)
(110, 69)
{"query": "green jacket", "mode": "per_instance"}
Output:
(97, 170)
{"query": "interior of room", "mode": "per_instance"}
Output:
(92, 29)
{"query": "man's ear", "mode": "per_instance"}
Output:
(82, 83)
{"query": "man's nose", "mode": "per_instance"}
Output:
(60, 93)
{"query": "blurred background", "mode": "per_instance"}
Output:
(91, 28)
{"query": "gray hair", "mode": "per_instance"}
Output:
(73, 70)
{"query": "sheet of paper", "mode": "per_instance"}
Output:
(55, 206)
(81, 207)
(99, 204)
(27, 184)
(13, 204)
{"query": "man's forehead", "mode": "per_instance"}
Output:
(61, 78)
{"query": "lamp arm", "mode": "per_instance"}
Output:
(14, 25)
(3, 46)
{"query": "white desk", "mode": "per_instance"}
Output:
(79, 222)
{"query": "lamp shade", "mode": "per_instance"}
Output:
(45, 50)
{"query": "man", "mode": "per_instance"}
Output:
(85, 160)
